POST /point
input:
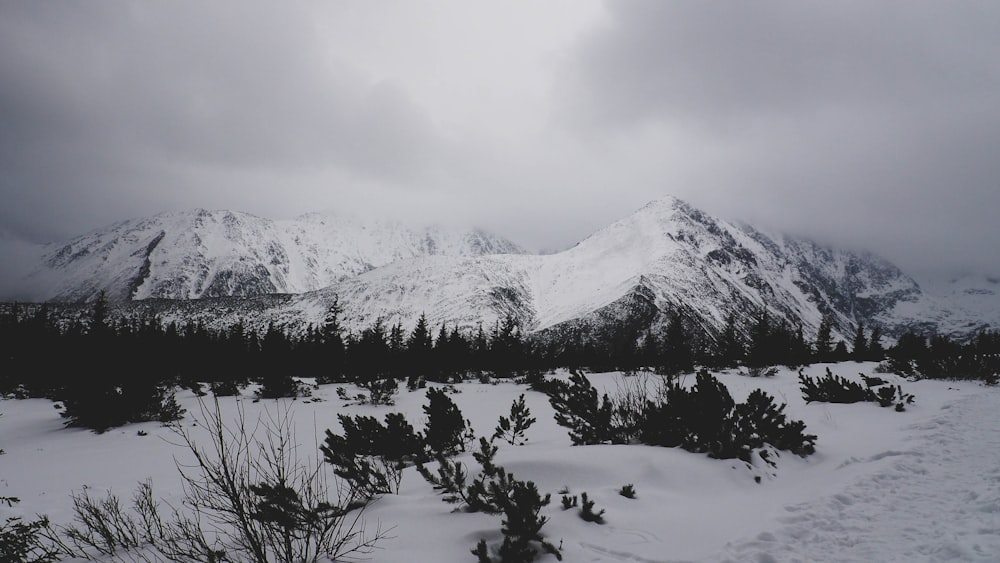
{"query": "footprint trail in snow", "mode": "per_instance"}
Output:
(939, 500)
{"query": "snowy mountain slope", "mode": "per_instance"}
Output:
(955, 306)
(668, 254)
(198, 254)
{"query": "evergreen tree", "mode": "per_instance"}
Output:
(761, 350)
(506, 347)
(730, 346)
(876, 352)
(480, 349)
(824, 339)
(397, 339)
(397, 360)
(368, 354)
(99, 315)
(677, 356)
(840, 352)
(859, 350)
(649, 351)
(334, 351)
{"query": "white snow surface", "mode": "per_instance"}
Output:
(917, 486)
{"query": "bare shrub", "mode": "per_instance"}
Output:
(248, 495)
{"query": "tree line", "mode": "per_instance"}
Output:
(128, 358)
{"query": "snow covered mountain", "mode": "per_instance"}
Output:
(666, 257)
(633, 274)
(199, 254)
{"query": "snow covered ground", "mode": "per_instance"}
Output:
(922, 485)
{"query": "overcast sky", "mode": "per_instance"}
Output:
(867, 124)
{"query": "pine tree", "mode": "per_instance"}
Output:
(334, 352)
(840, 352)
(99, 315)
(876, 352)
(677, 354)
(761, 352)
(824, 340)
(859, 350)
(730, 345)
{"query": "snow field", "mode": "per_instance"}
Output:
(923, 485)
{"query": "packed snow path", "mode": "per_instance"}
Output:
(938, 501)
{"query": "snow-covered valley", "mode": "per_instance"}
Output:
(919, 485)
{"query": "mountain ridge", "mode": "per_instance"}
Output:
(199, 253)
(664, 258)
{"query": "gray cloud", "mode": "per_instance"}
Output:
(872, 124)
(869, 124)
(116, 102)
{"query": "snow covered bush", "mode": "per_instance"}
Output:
(832, 389)
(761, 421)
(835, 389)
(702, 419)
(106, 404)
(278, 386)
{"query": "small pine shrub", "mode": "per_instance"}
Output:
(835, 389)
(706, 419)
(872, 381)
(227, 388)
(371, 456)
(380, 391)
(102, 407)
(587, 511)
(512, 429)
(415, 382)
(521, 526)
(450, 480)
(281, 386)
(447, 431)
(832, 389)
(627, 491)
(482, 493)
(760, 371)
(22, 540)
(170, 410)
(569, 502)
(577, 408)
(761, 421)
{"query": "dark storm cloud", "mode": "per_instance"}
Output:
(868, 123)
(105, 104)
